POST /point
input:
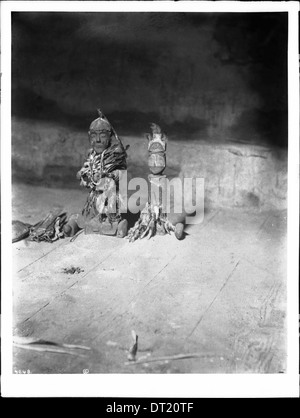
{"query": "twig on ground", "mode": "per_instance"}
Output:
(48, 346)
(169, 358)
(53, 349)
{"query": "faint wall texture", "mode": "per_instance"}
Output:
(209, 74)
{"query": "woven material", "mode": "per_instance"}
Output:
(49, 229)
(100, 175)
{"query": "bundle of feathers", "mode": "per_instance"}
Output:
(96, 174)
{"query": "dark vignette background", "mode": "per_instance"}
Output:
(211, 76)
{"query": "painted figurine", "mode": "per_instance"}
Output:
(153, 218)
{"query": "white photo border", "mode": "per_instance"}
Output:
(143, 385)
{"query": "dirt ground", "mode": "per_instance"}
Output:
(214, 302)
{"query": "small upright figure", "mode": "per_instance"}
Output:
(157, 145)
(154, 217)
(100, 174)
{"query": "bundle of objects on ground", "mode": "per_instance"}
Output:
(100, 174)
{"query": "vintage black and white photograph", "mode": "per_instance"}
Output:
(149, 178)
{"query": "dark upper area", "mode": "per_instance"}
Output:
(210, 76)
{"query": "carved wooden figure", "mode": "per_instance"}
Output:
(100, 174)
(153, 218)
